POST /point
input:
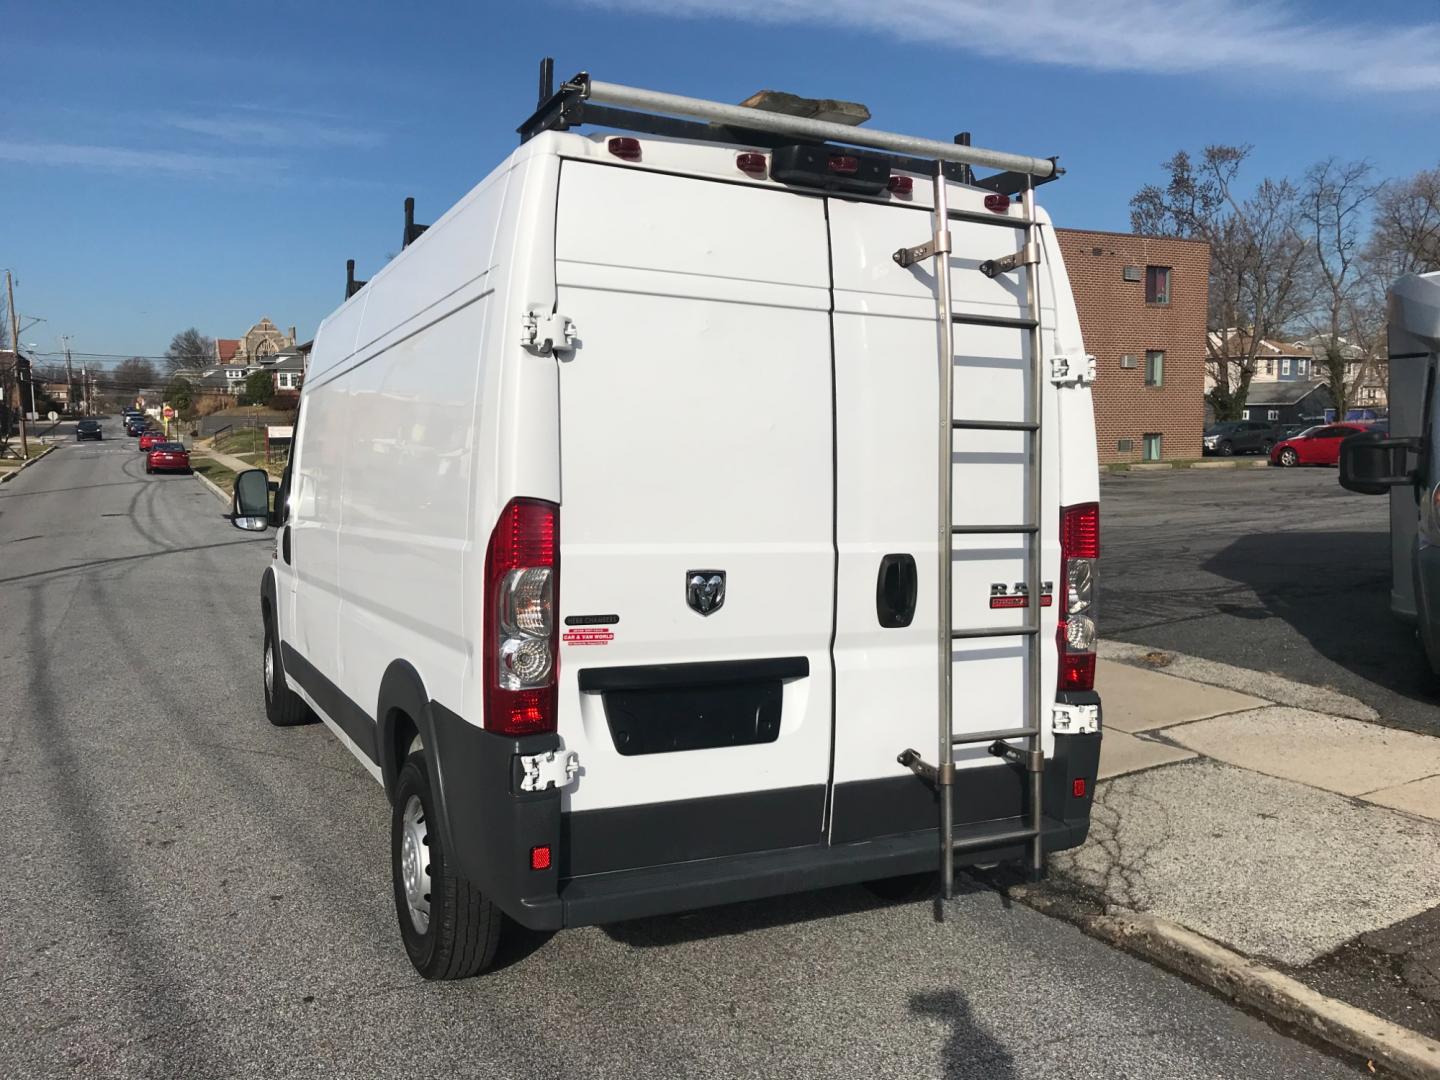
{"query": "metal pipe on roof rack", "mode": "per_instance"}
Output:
(819, 130)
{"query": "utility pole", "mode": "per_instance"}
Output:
(69, 377)
(15, 347)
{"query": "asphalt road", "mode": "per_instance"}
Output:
(190, 892)
(1279, 570)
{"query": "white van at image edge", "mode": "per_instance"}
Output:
(608, 543)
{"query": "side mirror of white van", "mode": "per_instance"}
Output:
(250, 505)
(1372, 463)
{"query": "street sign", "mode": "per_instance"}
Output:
(168, 413)
(52, 416)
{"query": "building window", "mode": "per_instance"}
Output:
(1247, 414)
(1272, 414)
(1300, 368)
(1269, 365)
(1154, 367)
(1152, 446)
(1125, 446)
(1285, 366)
(1157, 284)
(286, 380)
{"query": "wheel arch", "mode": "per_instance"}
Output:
(401, 712)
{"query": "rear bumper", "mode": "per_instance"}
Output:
(493, 826)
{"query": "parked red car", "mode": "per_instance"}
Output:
(151, 439)
(1318, 446)
(167, 457)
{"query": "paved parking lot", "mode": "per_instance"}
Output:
(1274, 569)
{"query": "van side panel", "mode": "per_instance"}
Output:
(386, 472)
(696, 436)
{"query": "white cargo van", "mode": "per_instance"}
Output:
(1405, 464)
(678, 521)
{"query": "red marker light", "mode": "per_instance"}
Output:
(844, 164)
(1078, 788)
(540, 856)
(625, 148)
(997, 202)
(901, 185)
(754, 164)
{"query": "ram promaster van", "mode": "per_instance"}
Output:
(697, 514)
(1405, 462)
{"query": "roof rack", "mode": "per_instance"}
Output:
(583, 100)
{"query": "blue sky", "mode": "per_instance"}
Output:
(164, 165)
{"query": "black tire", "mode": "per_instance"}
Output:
(283, 706)
(1267, 446)
(1289, 458)
(462, 926)
(148, 470)
(1227, 449)
(907, 888)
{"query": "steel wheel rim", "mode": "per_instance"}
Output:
(269, 669)
(415, 862)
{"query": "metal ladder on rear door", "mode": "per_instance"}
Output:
(1031, 758)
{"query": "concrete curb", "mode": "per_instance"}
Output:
(16, 472)
(1208, 463)
(1279, 997)
(215, 489)
(1261, 684)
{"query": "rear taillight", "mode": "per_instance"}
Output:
(522, 571)
(1079, 550)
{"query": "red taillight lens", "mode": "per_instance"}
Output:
(1075, 633)
(754, 164)
(625, 147)
(521, 651)
(540, 856)
(1078, 787)
(901, 185)
(844, 163)
(1000, 204)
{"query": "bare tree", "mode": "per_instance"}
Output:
(1257, 257)
(1405, 238)
(131, 376)
(1332, 204)
(189, 349)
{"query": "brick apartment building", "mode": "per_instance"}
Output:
(1142, 303)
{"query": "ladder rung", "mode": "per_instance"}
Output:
(1009, 836)
(990, 530)
(994, 631)
(996, 320)
(988, 218)
(994, 425)
(991, 736)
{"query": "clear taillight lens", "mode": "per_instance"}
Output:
(1076, 634)
(522, 566)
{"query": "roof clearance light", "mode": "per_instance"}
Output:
(996, 202)
(754, 164)
(625, 148)
(902, 186)
(845, 164)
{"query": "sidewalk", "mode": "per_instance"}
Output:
(1270, 817)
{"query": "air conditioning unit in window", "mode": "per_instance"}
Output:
(1132, 273)
(1128, 361)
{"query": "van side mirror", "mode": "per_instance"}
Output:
(250, 505)
(1372, 463)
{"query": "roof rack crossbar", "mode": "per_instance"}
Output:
(800, 127)
(576, 103)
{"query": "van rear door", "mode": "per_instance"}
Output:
(697, 559)
(887, 487)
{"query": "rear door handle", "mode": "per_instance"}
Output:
(895, 590)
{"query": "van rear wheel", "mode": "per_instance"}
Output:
(450, 928)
